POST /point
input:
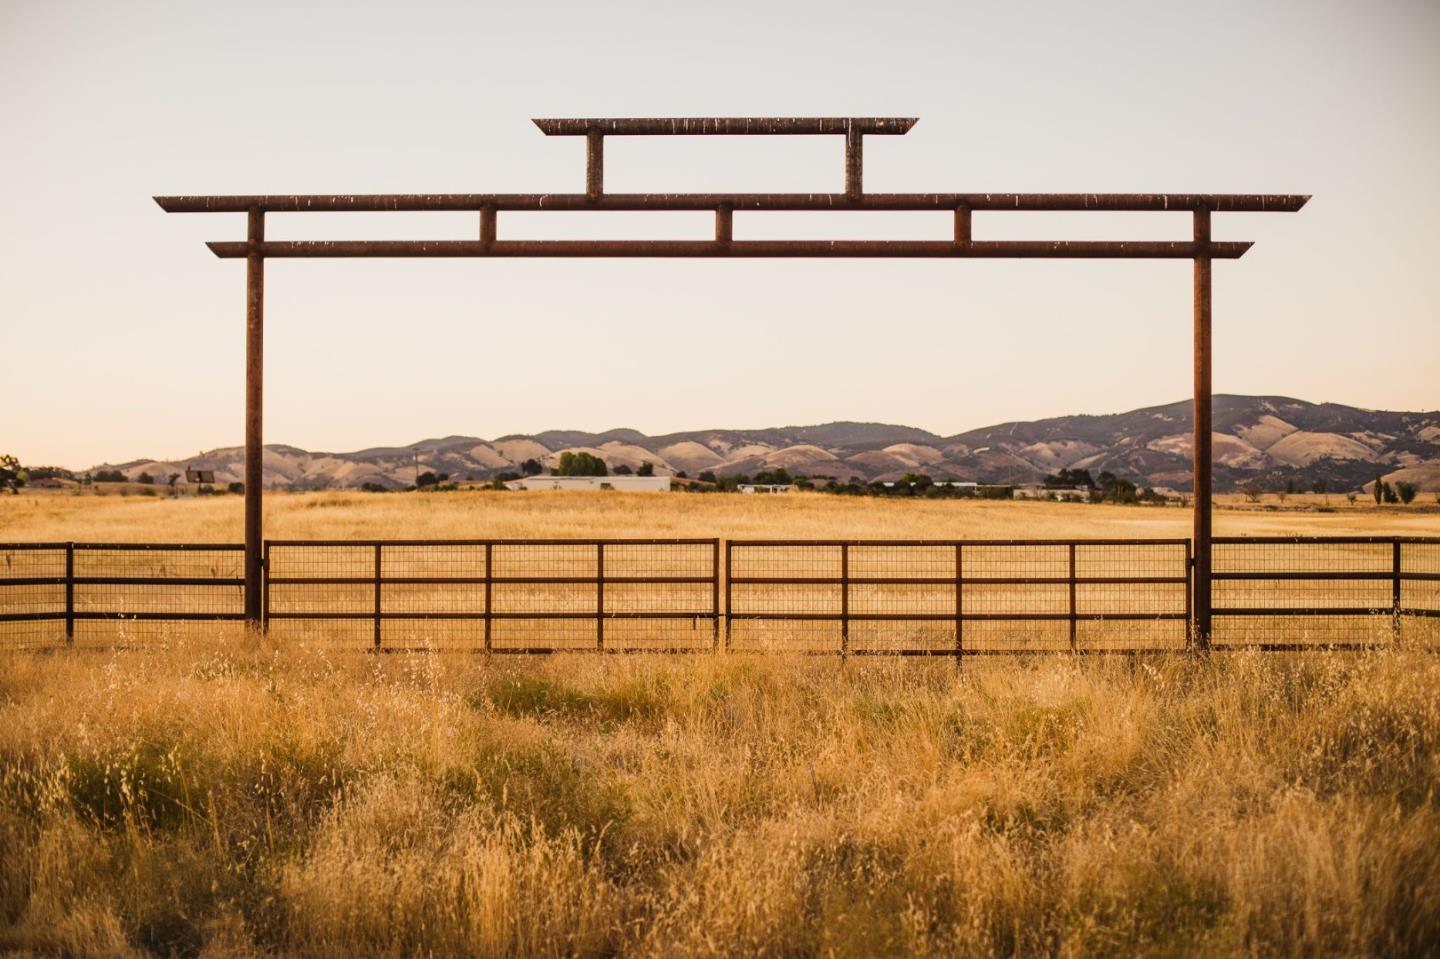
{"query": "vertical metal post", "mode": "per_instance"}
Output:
(724, 223)
(600, 596)
(265, 571)
(1201, 454)
(1189, 592)
(1395, 588)
(962, 225)
(489, 592)
(729, 594)
(1073, 616)
(69, 592)
(854, 162)
(487, 225)
(254, 408)
(594, 164)
(959, 606)
(715, 596)
(377, 596)
(844, 599)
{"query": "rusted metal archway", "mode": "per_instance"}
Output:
(1201, 249)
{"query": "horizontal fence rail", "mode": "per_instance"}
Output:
(858, 597)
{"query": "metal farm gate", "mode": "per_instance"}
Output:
(850, 597)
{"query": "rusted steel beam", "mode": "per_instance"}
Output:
(854, 163)
(1201, 452)
(724, 126)
(594, 165)
(254, 412)
(470, 202)
(810, 249)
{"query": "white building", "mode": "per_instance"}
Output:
(1077, 494)
(765, 488)
(629, 484)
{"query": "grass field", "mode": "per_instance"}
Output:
(263, 798)
(486, 514)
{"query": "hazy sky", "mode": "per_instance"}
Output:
(122, 336)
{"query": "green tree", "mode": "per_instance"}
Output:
(145, 479)
(1379, 491)
(531, 467)
(1071, 478)
(581, 464)
(12, 474)
(647, 468)
(1406, 491)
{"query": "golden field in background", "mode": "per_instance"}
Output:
(460, 515)
(265, 798)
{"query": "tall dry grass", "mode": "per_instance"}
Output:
(198, 798)
(261, 800)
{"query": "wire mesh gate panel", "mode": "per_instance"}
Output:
(615, 595)
(1293, 591)
(864, 597)
(104, 592)
(957, 597)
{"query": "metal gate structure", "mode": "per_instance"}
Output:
(852, 597)
(1202, 250)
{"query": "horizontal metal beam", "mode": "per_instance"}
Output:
(739, 249)
(723, 126)
(1038, 202)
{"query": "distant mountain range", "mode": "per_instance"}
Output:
(1273, 440)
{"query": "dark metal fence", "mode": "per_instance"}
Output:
(861, 597)
(1286, 592)
(52, 591)
(507, 596)
(958, 597)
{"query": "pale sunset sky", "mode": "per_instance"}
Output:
(121, 336)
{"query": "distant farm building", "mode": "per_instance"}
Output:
(1078, 494)
(765, 487)
(628, 484)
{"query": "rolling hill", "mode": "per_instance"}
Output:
(1272, 440)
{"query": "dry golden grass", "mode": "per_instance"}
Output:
(258, 798)
(265, 800)
(488, 514)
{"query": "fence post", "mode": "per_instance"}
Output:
(1395, 588)
(729, 593)
(265, 590)
(377, 596)
(69, 592)
(844, 599)
(1189, 606)
(715, 596)
(489, 593)
(959, 609)
(1072, 598)
(600, 596)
